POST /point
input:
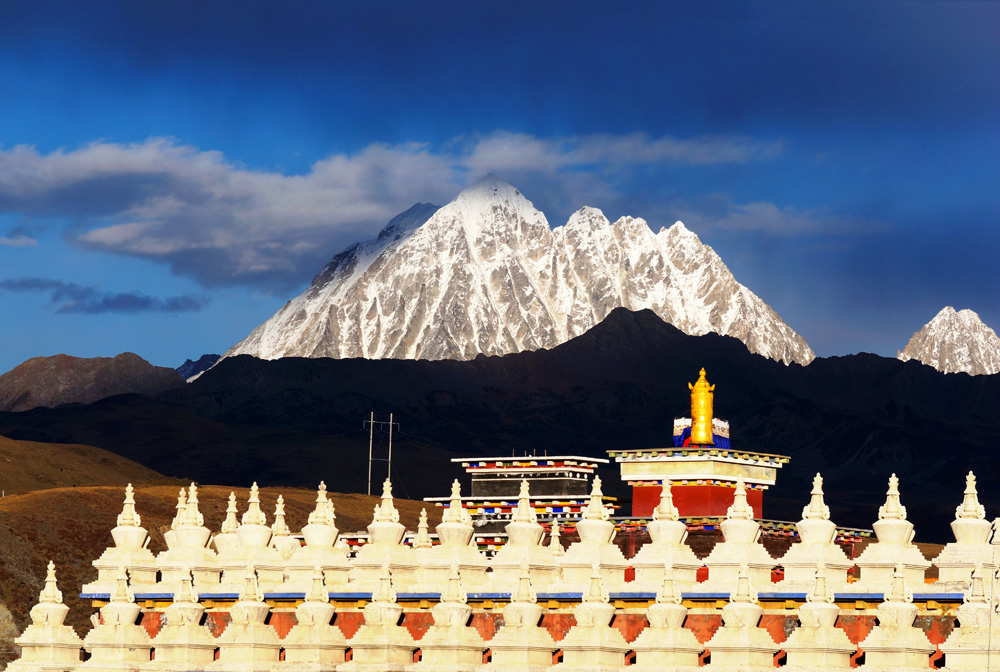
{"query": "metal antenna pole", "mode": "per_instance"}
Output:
(388, 474)
(371, 431)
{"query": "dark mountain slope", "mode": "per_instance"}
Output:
(856, 419)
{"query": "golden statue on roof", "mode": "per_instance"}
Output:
(701, 411)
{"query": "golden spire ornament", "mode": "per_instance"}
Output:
(701, 411)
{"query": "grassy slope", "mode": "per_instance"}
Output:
(29, 466)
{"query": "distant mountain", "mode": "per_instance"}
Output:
(190, 370)
(291, 421)
(61, 379)
(486, 274)
(953, 342)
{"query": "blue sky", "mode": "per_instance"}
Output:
(171, 173)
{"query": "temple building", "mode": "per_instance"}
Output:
(559, 486)
(700, 464)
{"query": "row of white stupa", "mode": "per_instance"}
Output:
(382, 644)
(284, 565)
(252, 562)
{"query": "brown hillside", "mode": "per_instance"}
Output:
(72, 526)
(26, 466)
(61, 379)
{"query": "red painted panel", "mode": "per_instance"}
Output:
(152, 621)
(694, 500)
(349, 622)
(217, 622)
(779, 626)
(630, 625)
(487, 624)
(703, 626)
(282, 622)
(558, 625)
(418, 622)
(855, 627)
(937, 628)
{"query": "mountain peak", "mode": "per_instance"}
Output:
(587, 217)
(487, 274)
(954, 342)
(489, 187)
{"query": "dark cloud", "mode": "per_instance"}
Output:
(69, 297)
(646, 64)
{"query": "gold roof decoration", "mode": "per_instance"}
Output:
(702, 398)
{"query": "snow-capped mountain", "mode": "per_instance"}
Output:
(955, 341)
(486, 274)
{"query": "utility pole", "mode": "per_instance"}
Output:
(371, 422)
(371, 431)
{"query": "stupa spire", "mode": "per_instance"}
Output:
(254, 515)
(893, 509)
(744, 591)
(820, 592)
(817, 508)
(456, 513)
(595, 507)
(596, 594)
(385, 511)
(668, 593)
(128, 517)
(899, 592)
(122, 592)
(555, 545)
(185, 592)
(231, 522)
(740, 508)
(970, 506)
(280, 528)
(50, 592)
(384, 591)
(666, 510)
(525, 594)
(317, 587)
(251, 591)
(977, 591)
(423, 539)
(192, 516)
(454, 593)
(525, 512)
(181, 506)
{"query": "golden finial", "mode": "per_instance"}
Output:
(701, 411)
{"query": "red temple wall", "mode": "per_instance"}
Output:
(694, 500)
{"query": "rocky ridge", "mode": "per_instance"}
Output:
(487, 274)
(955, 342)
(62, 379)
(190, 370)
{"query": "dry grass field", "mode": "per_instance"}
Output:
(71, 525)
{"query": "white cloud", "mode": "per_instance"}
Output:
(223, 223)
(720, 212)
(18, 240)
(517, 151)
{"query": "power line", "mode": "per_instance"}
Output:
(371, 422)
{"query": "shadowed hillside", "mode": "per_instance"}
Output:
(856, 419)
(28, 466)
